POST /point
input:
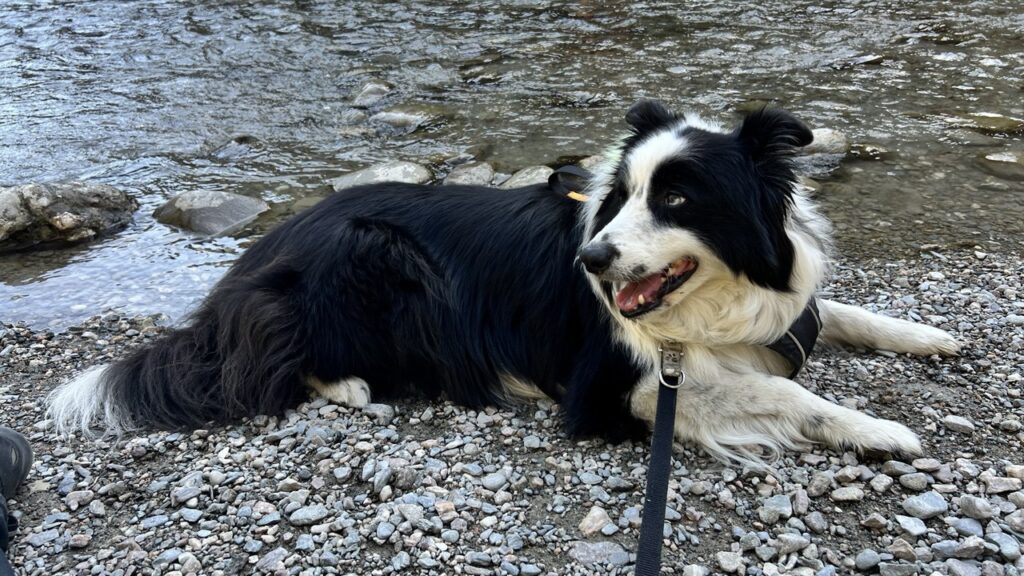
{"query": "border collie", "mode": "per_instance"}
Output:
(692, 234)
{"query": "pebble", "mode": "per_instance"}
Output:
(913, 526)
(847, 494)
(958, 424)
(977, 508)
(595, 521)
(866, 560)
(308, 515)
(917, 481)
(926, 505)
(729, 561)
(495, 481)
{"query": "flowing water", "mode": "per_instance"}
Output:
(161, 97)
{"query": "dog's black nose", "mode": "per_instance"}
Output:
(598, 256)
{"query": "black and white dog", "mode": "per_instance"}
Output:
(693, 235)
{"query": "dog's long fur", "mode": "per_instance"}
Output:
(388, 290)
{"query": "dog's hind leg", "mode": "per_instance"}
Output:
(843, 324)
(352, 392)
(738, 413)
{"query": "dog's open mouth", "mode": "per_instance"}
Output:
(646, 294)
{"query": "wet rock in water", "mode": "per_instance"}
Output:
(827, 141)
(408, 118)
(823, 155)
(370, 93)
(209, 212)
(527, 177)
(987, 123)
(397, 171)
(471, 173)
(1005, 165)
(65, 213)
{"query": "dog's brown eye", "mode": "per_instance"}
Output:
(674, 200)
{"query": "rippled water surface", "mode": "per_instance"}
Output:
(152, 97)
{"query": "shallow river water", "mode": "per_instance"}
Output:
(160, 97)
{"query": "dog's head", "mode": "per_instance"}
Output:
(688, 202)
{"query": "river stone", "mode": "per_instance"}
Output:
(927, 505)
(596, 552)
(210, 212)
(370, 93)
(896, 569)
(1008, 545)
(527, 177)
(495, 481)
(397, 171)
(594, 521)
(910, 525)
(729, 561)
(308, 515)
(977, 508)
(917, 481)
(847, 494)
(988, 123)
(960, 568)
(775, 508)
(64, 213)
(827, 141)
(866, 560)
(958, 424)
(471, 174)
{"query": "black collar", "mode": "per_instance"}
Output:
(798, 342)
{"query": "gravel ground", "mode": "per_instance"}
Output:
(431, 488)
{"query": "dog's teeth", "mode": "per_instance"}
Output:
(641, 300)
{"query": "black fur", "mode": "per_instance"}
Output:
(415, 289)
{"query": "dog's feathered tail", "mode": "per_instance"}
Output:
(241, 354)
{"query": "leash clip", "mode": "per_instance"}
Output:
(671, 373)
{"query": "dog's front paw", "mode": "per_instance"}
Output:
(891, 439)
(927, 340)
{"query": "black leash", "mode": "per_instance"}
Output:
(648, 551)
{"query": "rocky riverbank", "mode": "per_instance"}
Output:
(431, 488)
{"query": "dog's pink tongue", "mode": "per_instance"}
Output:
(628, 299)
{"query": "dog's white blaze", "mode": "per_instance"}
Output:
(645, 158)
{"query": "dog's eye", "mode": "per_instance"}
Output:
(674, 200)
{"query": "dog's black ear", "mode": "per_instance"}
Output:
(771, 132)
(647, 115)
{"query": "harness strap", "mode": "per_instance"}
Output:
(798, 342)
(648, 552)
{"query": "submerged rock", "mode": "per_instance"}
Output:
(528, 177)
(66, 213)
(987, 123)
(370, 94)
(1006, 165)
(397, 171)
(210, 212)
(823, 155)
(827, 141)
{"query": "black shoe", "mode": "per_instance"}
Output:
(15, 461)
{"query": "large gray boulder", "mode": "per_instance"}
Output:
(210, 212)
(398, 171)
(66, 213)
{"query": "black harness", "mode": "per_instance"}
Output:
(795, 346)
